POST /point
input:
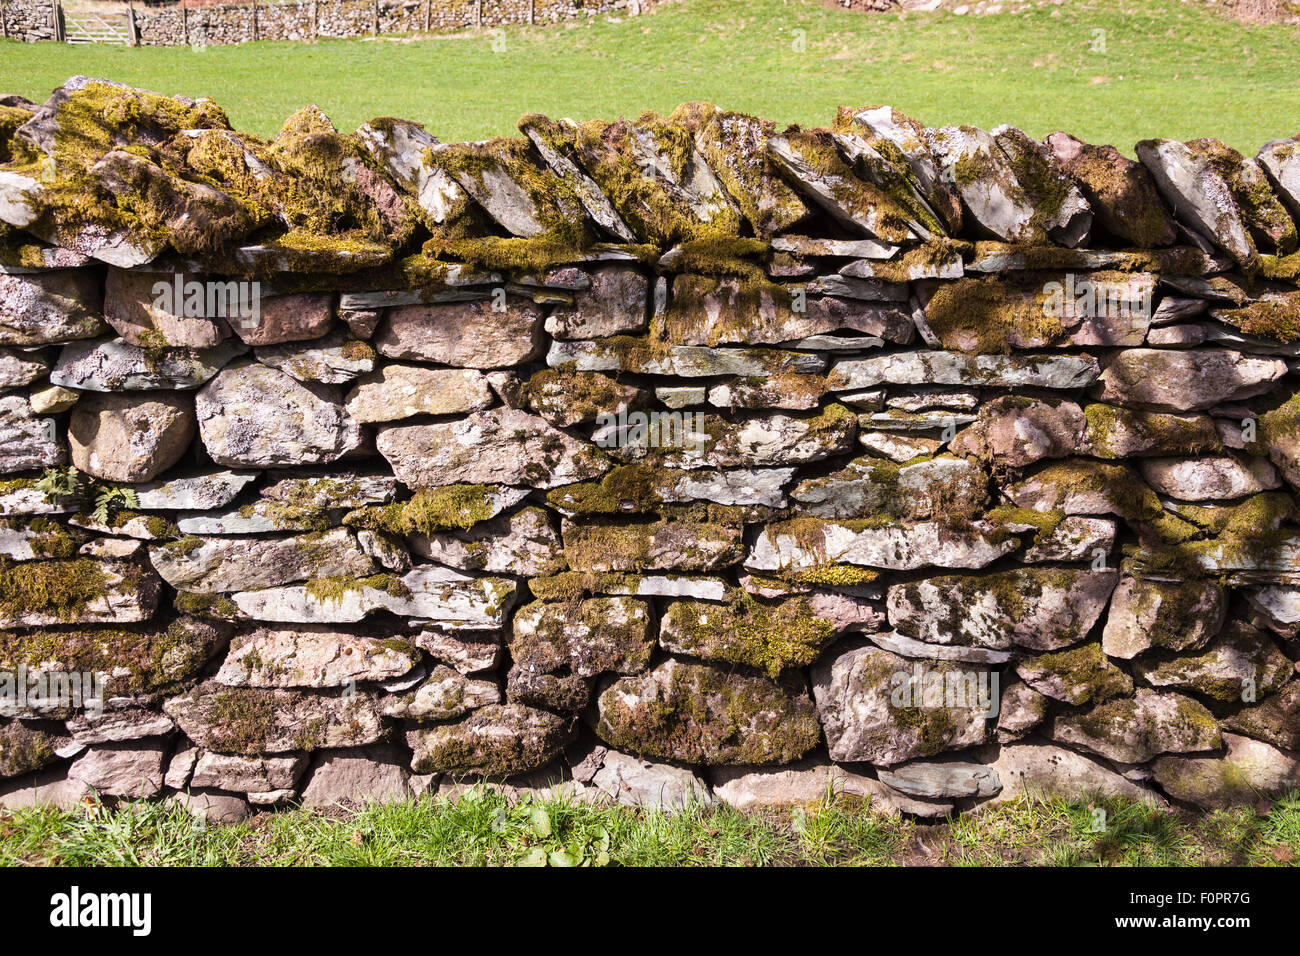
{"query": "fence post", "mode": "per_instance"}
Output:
(315, 18)
(185, 25)
(428, 12)
(532, 11)
(374, 23)
(478, 14)
(56, 12)
(254, 19)
(4, 17)
(131, 37)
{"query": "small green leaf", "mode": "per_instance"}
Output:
(534, 857)
(540, 821)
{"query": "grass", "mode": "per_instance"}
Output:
(1168, 68)
(484, 828)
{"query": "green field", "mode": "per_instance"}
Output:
(484, 828)
(1169, 68)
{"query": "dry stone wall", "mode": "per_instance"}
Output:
(220, 24)
(674, 459)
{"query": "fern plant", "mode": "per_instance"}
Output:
(103, 501)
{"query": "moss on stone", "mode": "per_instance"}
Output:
(430, 510)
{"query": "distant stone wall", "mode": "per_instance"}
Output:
(220, 24)
(674, 460)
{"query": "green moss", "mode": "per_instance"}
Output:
(993, 315)
(1083, 673)
(244, 720)
(1276, 317)
(333, 590)
(573, 395)
(62, 589)
(768, 636)
(215, 606)
(136, 661)
(429, 511)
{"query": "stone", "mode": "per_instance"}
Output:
(220, 808)
(614, 305)
(1172, 616)
(1040, 609)
(910, 647)
(794, 392)
(255, 721)
(25, 750)
(134, 662)
(699, 714)
(1209, 479)
(1074, 539)
(464, 334)
(1199, 195)
(520, 543)
(1280, 161)
(1021, 710)
(17, 370)
(878, 707)
(468, 652)
(337, 489)
(1249, 771)
(1136, 729)
(287, 318)
(45, 307)
(957, 368)
(1077, 676)
(376, 774)
(870, 487)
(77, 591)
(713, 441)
(27, 441)
(1278, 606)
(444, 695)
(1016, 431)
(133, 770)
(1175, 380)
(1011, 185)
(396, 391)
(257, 517)
(312, 656)
(332, 359)
(139, 306)
(1114, 432)
(434, 594)
(664, 545)
(126, 438)
(643, 357)
(897, 447)
(810, 542)
(1036, 769)
(115, 726)
(247, 774)
(585, 638)
(806, 783)
(497, 740)
(936, 779)
(215, 489)
(212, 564)
(1240, 661)
(595, 202)
(637, 782)
(500, 446)
(809, 161)
(49, 788)
(1276, 719)
(1121, 192)
(53, 399)
(253, 416)
(706, 310)
(112, 365)
(567, 398)
(768, 635)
